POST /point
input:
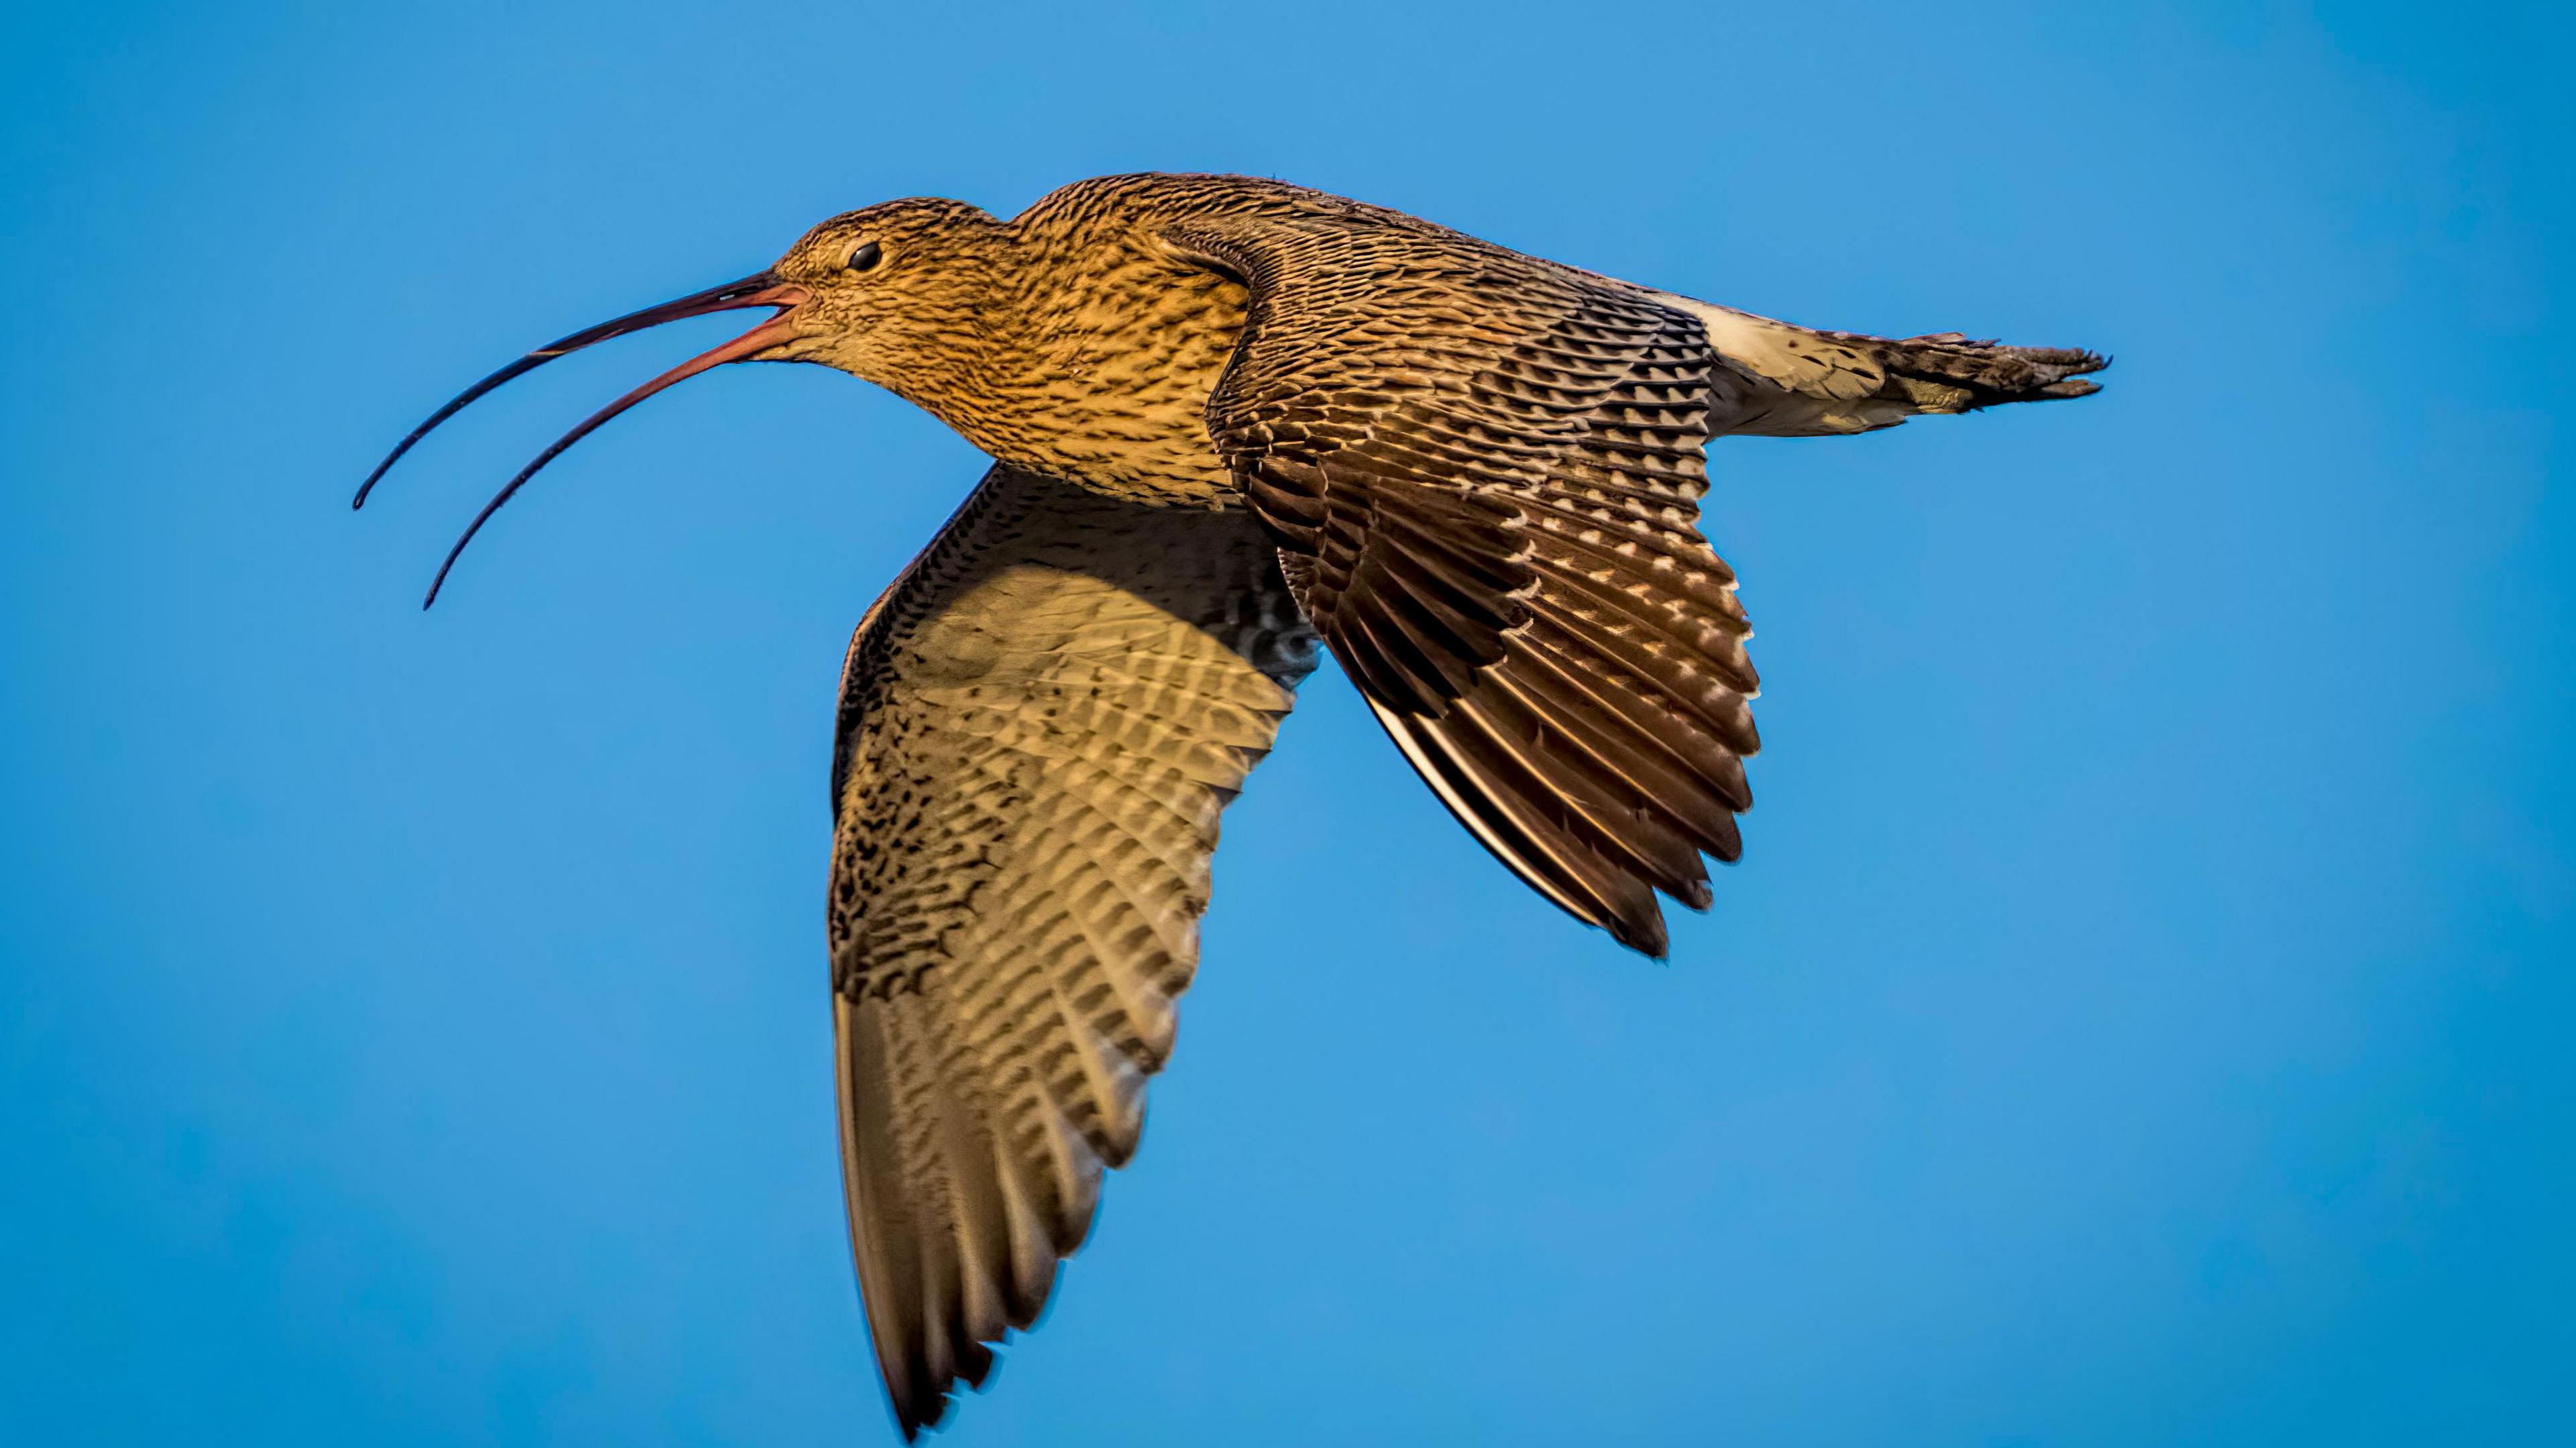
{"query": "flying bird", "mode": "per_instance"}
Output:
(1231, 418)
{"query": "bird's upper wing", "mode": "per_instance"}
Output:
(1483, 472)
(1039, 723)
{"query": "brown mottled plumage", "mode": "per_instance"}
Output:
(1231, 416)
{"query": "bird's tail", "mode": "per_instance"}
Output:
(1950, 372)
(1798, 382)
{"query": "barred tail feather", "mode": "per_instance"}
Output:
(1796, 382)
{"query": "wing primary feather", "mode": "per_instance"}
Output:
(1626, 766)
(1582, 889)
(1597, 810)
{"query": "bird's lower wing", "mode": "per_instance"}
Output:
(1039, 724)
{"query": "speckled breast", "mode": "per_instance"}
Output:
(1124, 345)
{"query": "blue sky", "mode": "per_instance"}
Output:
(2140, 1016)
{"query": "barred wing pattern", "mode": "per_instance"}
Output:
(1039, 724)
(1483, 472)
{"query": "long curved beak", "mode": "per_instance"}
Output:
(761, 289)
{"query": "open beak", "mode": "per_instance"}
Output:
(763, 289)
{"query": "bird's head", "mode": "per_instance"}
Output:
(889, 288)
(880, 293)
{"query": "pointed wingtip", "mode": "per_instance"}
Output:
(1646, 936)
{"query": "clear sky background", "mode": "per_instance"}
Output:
(2141, 1016)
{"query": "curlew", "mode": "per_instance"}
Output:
(1230, 418)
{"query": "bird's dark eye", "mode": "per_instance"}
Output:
(864, 256)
